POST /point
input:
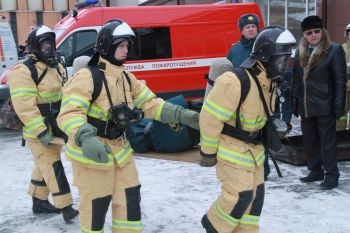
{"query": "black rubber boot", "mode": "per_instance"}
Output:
(69, 213)
(313, 176)
(329, 183)
(43, 206)
(207, 225)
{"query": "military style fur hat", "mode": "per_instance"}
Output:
(310, 22)
(248, 19)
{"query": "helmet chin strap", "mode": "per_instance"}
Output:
(113, 60)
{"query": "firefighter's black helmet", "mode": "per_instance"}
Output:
(37, 35)
(271, 41)
(113, 32)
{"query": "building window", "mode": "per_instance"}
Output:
(289, 13)
(297, 11)
(277, 15)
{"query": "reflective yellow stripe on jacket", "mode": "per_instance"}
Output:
(23, 91)
(145, 95)
(51, 97)
(77, 101)
(246, 160)
(123, 153)
(120, 156)
(97, 113)
(77, 154)
(209, 141)
(72, 123)
(251, 123)
(33, 125)
(216, 110)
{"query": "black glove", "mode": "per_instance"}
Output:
(208, 160)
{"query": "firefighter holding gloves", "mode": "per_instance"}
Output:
(99, 105)
(231, 121)
(36, 93)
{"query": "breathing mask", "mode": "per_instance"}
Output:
(47, 51)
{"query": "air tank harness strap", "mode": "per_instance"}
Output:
(243, 135)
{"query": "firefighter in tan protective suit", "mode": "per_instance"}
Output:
(36, 92)
(344, 122)
(103, 166)
(239, 162)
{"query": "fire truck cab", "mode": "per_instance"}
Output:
(174, 46)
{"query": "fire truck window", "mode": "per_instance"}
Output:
(66, 49)
(85, 43)
(151, 43)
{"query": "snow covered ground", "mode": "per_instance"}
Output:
(175, 195)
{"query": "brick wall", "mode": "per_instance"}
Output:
(22, 19)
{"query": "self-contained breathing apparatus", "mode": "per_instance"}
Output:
(120, 117)
(238, 132)
(272, 48)
(124, 117)
(49, 111)
(41, 43)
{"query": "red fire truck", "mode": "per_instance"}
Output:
(174, 46)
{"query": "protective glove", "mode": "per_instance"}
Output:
(190, 118)
(92, 148)
(45, 137)
(172, 113)
(207, 160)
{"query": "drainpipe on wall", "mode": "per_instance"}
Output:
(324, 13)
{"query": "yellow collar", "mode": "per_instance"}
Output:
(109, 68)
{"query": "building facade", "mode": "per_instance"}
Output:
(24, 14)
(290, 13)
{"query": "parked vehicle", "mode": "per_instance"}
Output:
(174, 45)
(4, 88)
(8, 56)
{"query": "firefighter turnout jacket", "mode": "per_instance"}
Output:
(26, 95)
(220, 107)
(77, 108)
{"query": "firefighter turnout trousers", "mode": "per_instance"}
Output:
(238, 208)
(48, 175)
(98, 187)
